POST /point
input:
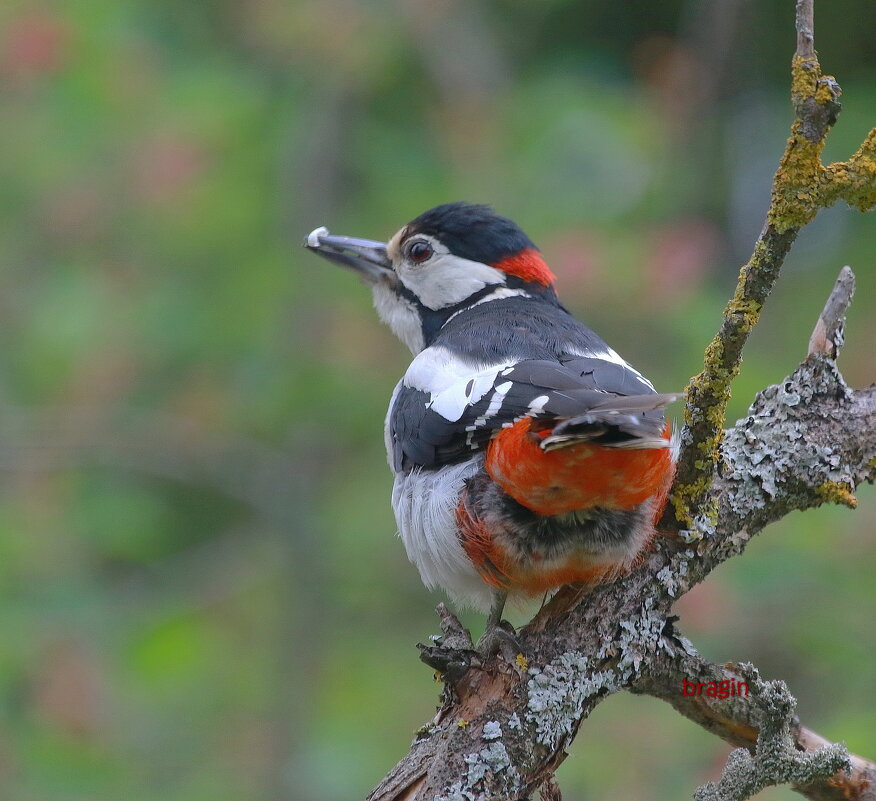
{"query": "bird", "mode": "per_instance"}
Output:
(527, 454)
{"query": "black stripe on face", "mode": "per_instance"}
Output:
(433, 320)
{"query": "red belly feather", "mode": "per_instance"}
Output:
(575, 477)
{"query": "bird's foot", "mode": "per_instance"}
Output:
(499, 638)
(452, 653)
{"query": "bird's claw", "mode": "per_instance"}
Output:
(452, 653)
(451, 663)
(499, 639)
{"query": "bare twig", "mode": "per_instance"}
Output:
(827, 336)
(805, 24)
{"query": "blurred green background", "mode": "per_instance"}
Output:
(201, 593)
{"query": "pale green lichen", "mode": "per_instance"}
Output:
(492, 730)
(762, 466)
(672, 576)
(492, 759)
(557, 694)
(489, 774)
(639, 637)
(776, 760)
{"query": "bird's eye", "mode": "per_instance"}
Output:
(419, 251)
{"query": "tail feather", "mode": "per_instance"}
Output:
(622, 421)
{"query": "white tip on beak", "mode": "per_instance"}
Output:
(315, 234)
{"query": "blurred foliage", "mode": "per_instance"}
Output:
(201, 594)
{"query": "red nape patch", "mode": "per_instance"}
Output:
(528, 265)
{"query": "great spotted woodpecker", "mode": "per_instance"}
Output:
(527, 453)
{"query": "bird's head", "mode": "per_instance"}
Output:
(447, 259)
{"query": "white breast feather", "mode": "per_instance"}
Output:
(425, 502)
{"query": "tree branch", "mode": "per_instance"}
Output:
(738, 719)
(827, 336)
(801, 187)
(776, 759)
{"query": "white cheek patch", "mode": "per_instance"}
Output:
(446, 280)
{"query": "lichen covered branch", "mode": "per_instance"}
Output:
(776, 759)
(801, 186)
(761, 721)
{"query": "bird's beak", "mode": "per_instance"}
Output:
(367, 258)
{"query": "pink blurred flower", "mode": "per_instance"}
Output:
(577, 259)
(680, 256)
(36, 43)
(165, 165)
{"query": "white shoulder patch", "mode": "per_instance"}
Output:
(452, 383)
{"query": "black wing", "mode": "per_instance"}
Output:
(590, 397)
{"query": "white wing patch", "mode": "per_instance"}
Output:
(453, 401)
(536, 405)
(452, 384)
